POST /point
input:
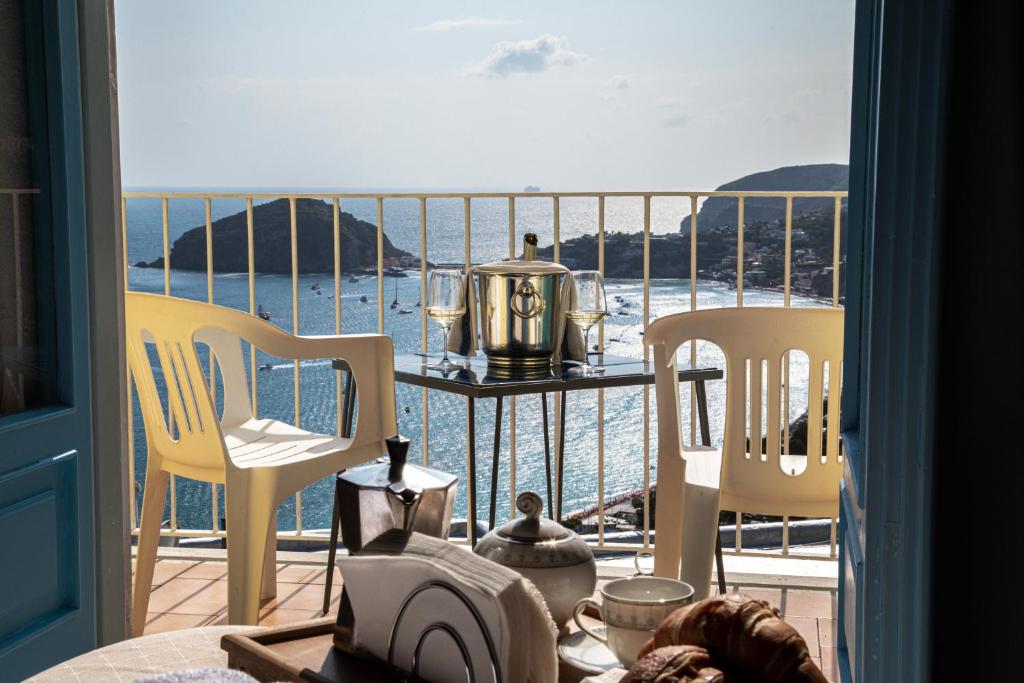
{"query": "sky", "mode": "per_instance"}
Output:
(569, 96)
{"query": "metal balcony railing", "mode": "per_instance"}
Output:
(337, 202)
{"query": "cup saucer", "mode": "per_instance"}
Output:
(587, 654)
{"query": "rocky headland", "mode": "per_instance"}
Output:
(764, 237)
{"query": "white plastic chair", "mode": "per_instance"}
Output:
(260, 462)
(732, 478)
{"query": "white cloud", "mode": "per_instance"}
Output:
(613, 87)
(618, 83)
(527, 56)
(467, 22)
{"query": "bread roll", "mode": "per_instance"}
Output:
(744, 634)
(676, 664)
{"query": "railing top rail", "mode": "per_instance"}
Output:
(801, 194)
(16, 190)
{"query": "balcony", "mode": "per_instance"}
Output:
(609, 464)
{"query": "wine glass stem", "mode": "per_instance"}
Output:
(444, 332)
(586, 347)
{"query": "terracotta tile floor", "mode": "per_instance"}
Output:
(189, 593)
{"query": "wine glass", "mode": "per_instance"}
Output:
(588, 307)
(446, 303)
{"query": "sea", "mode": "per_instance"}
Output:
(624, 433)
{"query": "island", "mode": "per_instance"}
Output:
(272, 242)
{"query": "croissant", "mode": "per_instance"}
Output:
(744, 633)
(676, 664)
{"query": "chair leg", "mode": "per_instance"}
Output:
(249, 517)
(153, 497)
(700, 528)
(332, 552)
(268, 589)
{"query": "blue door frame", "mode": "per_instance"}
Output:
(48, 610)
(892, 322)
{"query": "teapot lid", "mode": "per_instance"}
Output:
(533, 541)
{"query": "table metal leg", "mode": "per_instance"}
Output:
(494, 462)
(332, 551)
(560, 457)
(471, 483)
(547, 453)
(705, 439)
(702, 412)
(345, 429)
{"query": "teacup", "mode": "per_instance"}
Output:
(631, 610)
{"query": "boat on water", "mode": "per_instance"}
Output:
(363, 299)
(262, 312)
(395, 304)
(353, 279)
(266, 366)
(405, 311)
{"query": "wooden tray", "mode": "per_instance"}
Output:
(300, 652)
(304, 652)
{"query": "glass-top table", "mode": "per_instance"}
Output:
(472, 378)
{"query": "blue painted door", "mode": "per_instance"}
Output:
(47, 593)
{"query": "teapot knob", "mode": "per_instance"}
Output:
(530, 504)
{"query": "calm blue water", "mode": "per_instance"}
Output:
(624, 431)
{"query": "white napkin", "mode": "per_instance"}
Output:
(398, 564)
(462, 338)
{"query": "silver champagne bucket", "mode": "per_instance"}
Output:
(519, 302)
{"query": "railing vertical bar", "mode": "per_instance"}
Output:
(336, 215)
(788, 252)
(380, 265)
(557, 403)
(693, 307)
(166, 245)
(832, 538)
(785, 534)
(600, 392)
(167, 292)
(512, 399)
(293, 223)
(739, 251)
(835, 252)
(556, 226)
(423, 324)
(294, 230)
(252, 301)
(132, 504)
(470, 408)
(739, 531)
(214, 512)
(787, 268)
(466, 240)
(647, 357)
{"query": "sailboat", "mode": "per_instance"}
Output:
(262, 313)
(395, 304)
